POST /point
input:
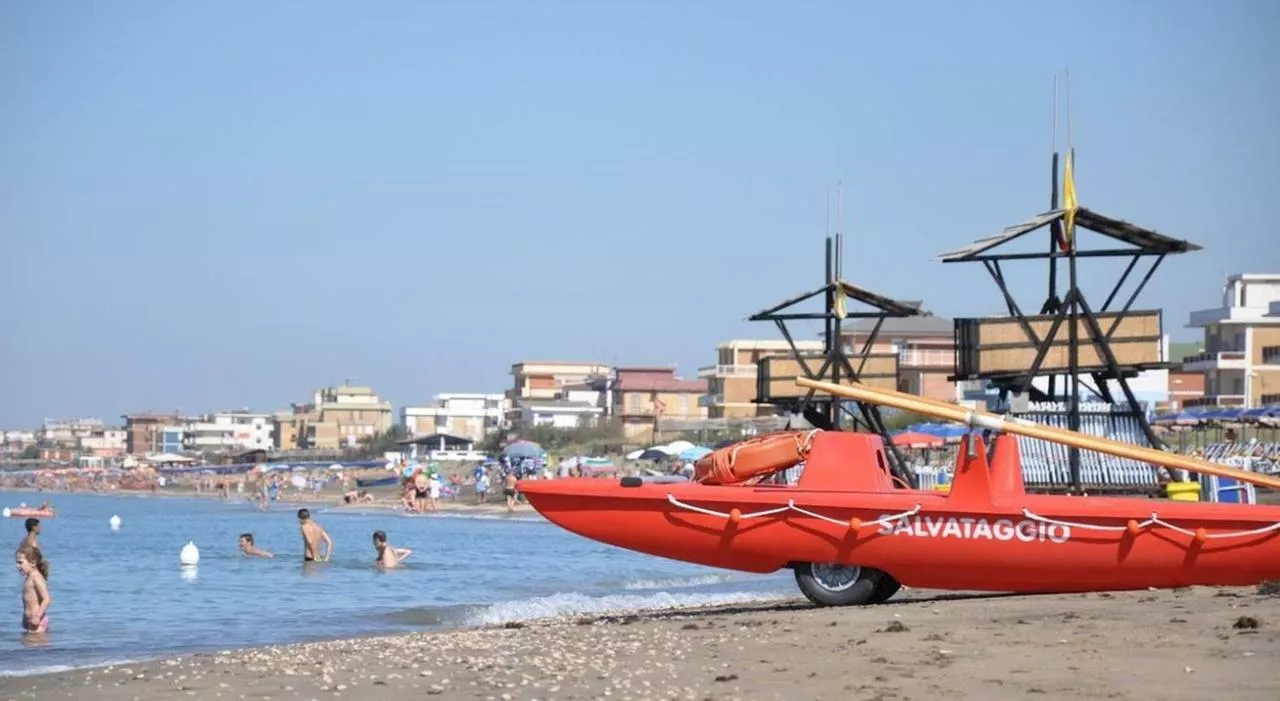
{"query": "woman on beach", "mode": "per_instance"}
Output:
(35, 590)
(387, 555)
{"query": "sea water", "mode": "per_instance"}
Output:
(121, 595)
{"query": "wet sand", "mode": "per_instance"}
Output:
(1188, 644)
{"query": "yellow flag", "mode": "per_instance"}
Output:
(840, 310)
(1070, 204)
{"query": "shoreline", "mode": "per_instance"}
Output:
(331, 500)
(1182, 644)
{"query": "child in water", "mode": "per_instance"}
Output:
(35, 590)
(387, 555)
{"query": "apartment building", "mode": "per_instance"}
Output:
(539, 392)
(464, 415)
(1241, 360)
(731, 382)
(104, 443)
(643, 397)
(229, 431)
(66, 433)
(544, 379)
(14, 443)
(556, 412)
(1184, 386)
(926, 348)
(146, 433)
(340, 417)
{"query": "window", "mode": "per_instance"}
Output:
(684, 404)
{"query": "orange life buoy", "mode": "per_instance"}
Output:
(754, 459)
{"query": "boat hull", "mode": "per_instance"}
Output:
(986, 535)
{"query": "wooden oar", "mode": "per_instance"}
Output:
(1022, 427)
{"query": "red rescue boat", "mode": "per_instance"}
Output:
(854, 537)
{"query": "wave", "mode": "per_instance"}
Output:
(558, 605)
(59, 668)
(679, 582)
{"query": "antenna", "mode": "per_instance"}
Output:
(1067, 72)
(1054, 147)
(839, 266)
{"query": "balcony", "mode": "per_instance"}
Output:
(1221, 359)
(1222, 400)
(727, 371)
(925, 359)
(1239, 315)
(710, 400)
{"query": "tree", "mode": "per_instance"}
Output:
(29, 453)
(379, 443)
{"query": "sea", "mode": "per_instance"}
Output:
(121, 595)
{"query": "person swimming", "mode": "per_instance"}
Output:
(35, 590)
(387, 555)
(248, 547)
(312, 536)
(32, 539)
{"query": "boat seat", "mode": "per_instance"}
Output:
(845, 461)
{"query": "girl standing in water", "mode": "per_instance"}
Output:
(35, 590)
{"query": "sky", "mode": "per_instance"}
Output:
(211, 206)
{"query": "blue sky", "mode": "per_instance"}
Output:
(220, 205)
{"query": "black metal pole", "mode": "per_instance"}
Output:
(1053, 247)
(1073, 360)
(832, 406)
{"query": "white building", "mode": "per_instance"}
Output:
(228, 432)
(558, 413)
(1241, 358)
(104, 443)
(470, 416)
(67, 432)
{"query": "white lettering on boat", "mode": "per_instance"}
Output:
(1005, 530)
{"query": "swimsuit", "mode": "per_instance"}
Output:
(41, 627)
(509, 492)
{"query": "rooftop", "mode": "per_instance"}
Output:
(932, 325)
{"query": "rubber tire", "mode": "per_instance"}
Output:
(888, 587)
(869, 584)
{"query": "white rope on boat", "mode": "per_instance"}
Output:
(1155, 520)
(791, 506)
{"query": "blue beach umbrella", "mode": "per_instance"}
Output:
(524, 449)
(694, 453)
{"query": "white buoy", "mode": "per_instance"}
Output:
(190, 554)
(115, 522)
(6, 512)
(188, 574)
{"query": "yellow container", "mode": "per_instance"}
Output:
(1183, 491)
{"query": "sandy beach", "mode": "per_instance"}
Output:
(1190, 644)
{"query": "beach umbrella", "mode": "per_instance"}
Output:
(524, 449)
(635, 454)
(694, 453)
(675, 447)
(653, 454)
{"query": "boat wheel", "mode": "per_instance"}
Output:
(829, 584)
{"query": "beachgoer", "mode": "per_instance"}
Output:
(509, 490)
(387, 555)
(248, 547)
(262, 492)
(433, 491)
(32, 539)
(35, 590)
(482, 488)
(312, 536)
(422, 489)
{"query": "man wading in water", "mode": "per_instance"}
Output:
(312, 535)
